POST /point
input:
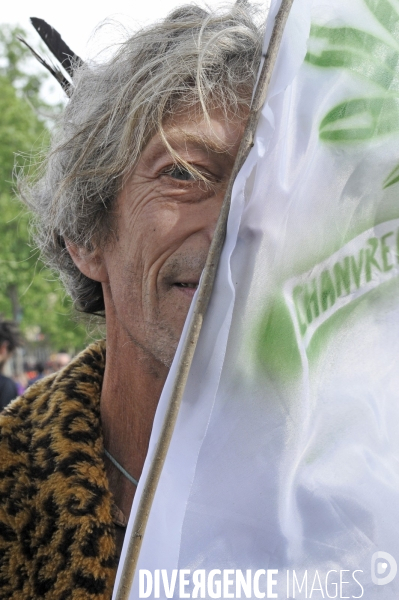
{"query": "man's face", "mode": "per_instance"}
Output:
(164, 224)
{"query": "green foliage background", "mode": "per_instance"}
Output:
(29, 292)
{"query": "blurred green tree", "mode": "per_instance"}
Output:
(29, 292)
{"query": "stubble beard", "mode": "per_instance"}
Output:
(160, 335)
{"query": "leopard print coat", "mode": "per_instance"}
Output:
(57, 537)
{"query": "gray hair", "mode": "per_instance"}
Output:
(191, 58)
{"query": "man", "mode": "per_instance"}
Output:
(126, 212)
(9, 341)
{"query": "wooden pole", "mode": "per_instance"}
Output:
(203, 296)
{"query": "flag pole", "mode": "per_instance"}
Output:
(197, 317)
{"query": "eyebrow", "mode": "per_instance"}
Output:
(200, 142)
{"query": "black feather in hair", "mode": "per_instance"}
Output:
(55, 72)
(62, 52)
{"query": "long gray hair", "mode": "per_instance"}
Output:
(191, 58)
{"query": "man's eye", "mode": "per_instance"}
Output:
(179, 172)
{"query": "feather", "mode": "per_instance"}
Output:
(55, 72)
(62, 52)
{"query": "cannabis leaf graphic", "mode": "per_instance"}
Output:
(373, 59)
(392, 178)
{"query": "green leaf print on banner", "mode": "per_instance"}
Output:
(392, 178)
(361, 119)
(371, 58)
(277, 347)
(386, 14)
(355, 50)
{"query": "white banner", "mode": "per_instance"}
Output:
(282, 479)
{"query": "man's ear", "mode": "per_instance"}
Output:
(89, 262)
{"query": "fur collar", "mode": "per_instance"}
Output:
(57, 538)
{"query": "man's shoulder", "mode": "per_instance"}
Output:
(77, 386)
(52, 425)
(54, 494)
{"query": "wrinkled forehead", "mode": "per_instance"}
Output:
(216, 131)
